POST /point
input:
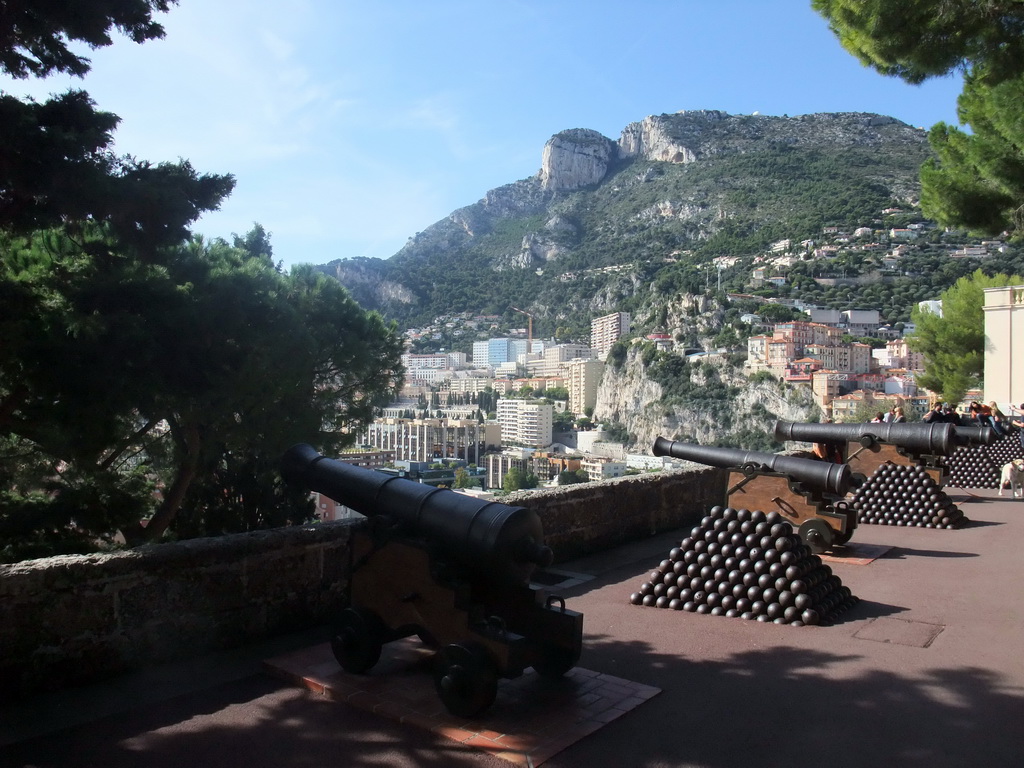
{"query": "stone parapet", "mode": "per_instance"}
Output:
(77, 619)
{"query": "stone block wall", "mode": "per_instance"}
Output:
(590, 517)
(74, 620)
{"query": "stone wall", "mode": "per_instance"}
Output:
(591, 517)
(76, 619)
(73, 620)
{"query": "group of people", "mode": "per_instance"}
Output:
(894, 415)
(986, 415)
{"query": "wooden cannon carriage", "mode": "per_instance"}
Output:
(806, 492)
(449, 568)
(900, 468)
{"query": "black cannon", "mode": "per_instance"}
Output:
(975, 435)
(901, 468)
(805, 492)
(449, 568)
(865, 447)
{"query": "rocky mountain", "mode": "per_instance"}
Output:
(641, 224)
(606, 221)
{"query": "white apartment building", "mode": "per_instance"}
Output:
(605, 331)
(525, 422)
(433, 439)
(600, 468)
(469, 384)
(861, 322)
(582, 381)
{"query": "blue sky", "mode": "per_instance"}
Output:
(350, 126)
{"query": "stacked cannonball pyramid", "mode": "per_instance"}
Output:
(897, 494)
(746, 564)
(969, 467)
(1004, 450)
(980, 466)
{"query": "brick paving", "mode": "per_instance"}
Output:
(531, 719)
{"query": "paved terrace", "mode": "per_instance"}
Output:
(928, 670)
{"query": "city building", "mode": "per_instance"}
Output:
(582, 381)
(525, 422)
(499, 464)
(1004, 345)
(555, 358)
(601, 468)
(433, 439)
(605, 331)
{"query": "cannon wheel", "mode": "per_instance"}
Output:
(465, 678)
(556, 661)
(817, 535)
(357, 639)
(842, 538)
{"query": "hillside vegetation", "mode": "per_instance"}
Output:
(649, 227)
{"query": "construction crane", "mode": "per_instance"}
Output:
(529, 329)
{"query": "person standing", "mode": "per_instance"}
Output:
(1018, 421)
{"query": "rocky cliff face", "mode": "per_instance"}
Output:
(574, 159)
(628, 397)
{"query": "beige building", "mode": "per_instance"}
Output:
(902, 356)
(584, 377)
(1004, 345)
(848, 358)
(605, 331)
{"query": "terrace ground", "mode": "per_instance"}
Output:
(927, 670)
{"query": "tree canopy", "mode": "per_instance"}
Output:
(149, 379)
(977, 179)
(953, 342)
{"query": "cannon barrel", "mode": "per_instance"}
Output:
(932, 439)
(825, 476)
(498, 541)
(974, 435)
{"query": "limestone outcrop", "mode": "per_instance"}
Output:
(576, 158)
